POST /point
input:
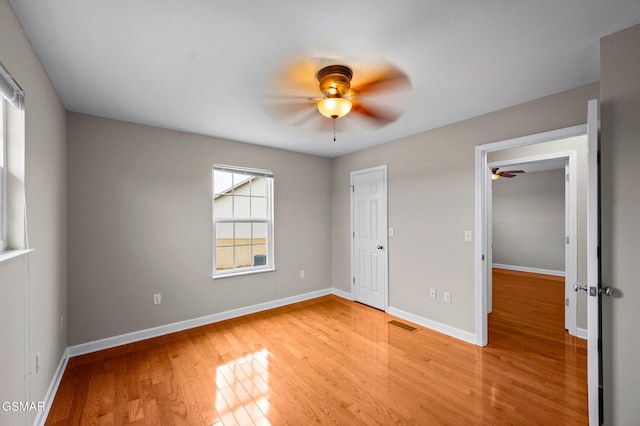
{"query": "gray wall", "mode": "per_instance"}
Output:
(45, 270)
(140, 223)
(620, 198)
(431, 203)
(528, 220)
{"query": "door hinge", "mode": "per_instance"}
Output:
(354, 234)
(566, 240)
(567, 177)
(353, 188)
(354, 280)
(483, 257)
(566, 302)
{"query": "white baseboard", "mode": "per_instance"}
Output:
(528, 269)
(341, 293)
(582, 333)
(41, 417)
(434, 325)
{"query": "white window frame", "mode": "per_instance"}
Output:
(270, 262)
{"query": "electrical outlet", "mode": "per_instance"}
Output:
(433, 293)
(157, 299)
(301, 274)
(447, 297)
(468, 236)
(391, 231)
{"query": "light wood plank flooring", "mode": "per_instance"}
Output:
(332, 361)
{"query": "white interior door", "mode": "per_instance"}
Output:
(593, 268)
(369, 233)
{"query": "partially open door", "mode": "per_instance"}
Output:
(593, 271)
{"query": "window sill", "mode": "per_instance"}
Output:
(237, 274)
(8, 255)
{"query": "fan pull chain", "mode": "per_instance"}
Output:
(334, 129)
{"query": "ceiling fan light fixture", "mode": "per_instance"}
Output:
(334, 107)
(495, 176)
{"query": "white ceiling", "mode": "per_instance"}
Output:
(206, 66)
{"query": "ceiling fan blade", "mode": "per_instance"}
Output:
(284, 107)
(513, 171)
(389, 79)
(378, 116)
(507, 175)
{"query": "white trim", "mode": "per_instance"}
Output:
(582, 333)
(342, 293)
(434, 325)
(13, 254)
(243, 272)
(528, 269)
(136, 336)
(49, 396)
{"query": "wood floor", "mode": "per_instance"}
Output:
(332, 361)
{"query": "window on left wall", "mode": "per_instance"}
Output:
(242, 220)
(11, 96)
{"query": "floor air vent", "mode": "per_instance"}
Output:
(403, 326)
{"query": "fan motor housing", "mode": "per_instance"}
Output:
(335, 80)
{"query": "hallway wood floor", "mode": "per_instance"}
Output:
(332, 361)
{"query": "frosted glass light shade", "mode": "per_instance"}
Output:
(334, 107)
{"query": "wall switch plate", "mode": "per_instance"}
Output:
(301, 274)
(391, 231)
(447, 297)
(157, 299)
(468, 236)
(433, 293)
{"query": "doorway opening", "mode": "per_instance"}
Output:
(567, 145)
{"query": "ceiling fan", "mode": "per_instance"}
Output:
(337, 94)
(495, 174)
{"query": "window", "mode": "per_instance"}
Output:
(242, 220)
(11, 95)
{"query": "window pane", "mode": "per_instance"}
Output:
(243, 233)
(241, 184)
(224, 234)
(243, 256)
(259, 233)
(223, 207)
(241, 207)
(259, 187)
(258, 207)
(224, 258)
(221, 182)
(259, 255)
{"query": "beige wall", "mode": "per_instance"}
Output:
(528, 220)
(431, 198)
(620, 197)
(140, 223)
(45, 270)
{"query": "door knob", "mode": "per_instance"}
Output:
(579, 287)
(380, 247)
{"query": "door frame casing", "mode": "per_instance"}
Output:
(385, 174)
(482, 189)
